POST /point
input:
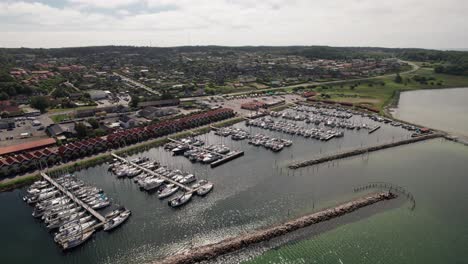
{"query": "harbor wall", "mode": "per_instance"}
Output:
(359, 151)
(212, 251)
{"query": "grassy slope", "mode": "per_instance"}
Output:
(379, 95)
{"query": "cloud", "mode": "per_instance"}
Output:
(103, 3)
(414, 23)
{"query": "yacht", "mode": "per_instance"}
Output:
(188, 179)
(76, 240)
(205, 188)
(169, 190)
(151, 183)
(117, 220)
(180, 200)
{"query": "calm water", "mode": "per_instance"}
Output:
(257, 190)
(445, 109)
(435, 232)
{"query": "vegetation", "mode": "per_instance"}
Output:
(41, 103)
(17, 182)
(60, 118)
(81, 130)
(398, 79)
(380, 92)
(50, 84)
(134, 101)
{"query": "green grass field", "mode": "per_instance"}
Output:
(60, 117)
(380, 92)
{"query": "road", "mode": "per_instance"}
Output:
(413, 69)
(137, 84)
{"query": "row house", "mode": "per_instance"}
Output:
(44, 157)
(82, 148)
(27, 161)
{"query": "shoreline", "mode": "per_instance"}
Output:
(212, 251)
(391, 109)
(19, 181)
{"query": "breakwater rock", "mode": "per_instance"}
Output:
(212, 251)
(360, 151)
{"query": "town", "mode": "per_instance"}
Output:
(53, 103)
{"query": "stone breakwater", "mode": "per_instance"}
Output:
(359, 151)
(229, 245)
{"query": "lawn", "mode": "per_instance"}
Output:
(380, 92)
(60, 117)
(58, 110)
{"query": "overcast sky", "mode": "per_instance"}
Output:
(397, 23)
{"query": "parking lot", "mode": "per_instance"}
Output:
(236, 101)
(24, 125)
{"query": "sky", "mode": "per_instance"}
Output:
(398, 23)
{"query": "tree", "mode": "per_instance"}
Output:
(40, 102)
(135, 100)
(166, 95)
(398, 78)
(99, 132)
(81, 130)
(94, 123)
(4, 96)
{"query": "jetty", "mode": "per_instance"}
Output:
(212, 251)
(360, 151)
(88, 208)
(182, 186)
(225, 157)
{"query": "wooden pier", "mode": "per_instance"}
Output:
(88, 208)
(184, 187)
(359, 151)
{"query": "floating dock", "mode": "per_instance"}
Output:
(225, 157)
(184, 187)
(90, 210)
(229, 157)
(359, 151)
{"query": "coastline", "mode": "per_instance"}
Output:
(392, 109)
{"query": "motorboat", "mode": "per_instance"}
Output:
(179, 150)
(151, 183)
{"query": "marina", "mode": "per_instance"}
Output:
(195, 151)
(165, 181)
(249, 191)
(69, 206)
